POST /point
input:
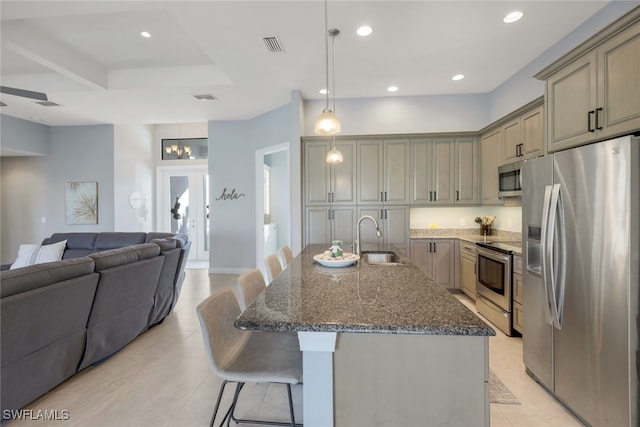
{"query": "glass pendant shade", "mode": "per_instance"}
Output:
(327, 123)
(334, 156)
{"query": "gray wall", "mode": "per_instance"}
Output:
(280, 195)
(22, 137)
(232, 147)
(33, 188)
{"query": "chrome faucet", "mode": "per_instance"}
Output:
(356, 241)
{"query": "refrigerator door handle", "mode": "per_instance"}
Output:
(554, 269)
(546, 261)
(562, 260)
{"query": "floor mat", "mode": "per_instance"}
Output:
(498, 392)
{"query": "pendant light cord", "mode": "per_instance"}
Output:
(326, 51)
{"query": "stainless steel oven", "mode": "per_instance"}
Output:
(494, 285)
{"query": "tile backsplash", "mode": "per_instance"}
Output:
(507, 218)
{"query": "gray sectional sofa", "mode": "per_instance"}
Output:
(58, 318)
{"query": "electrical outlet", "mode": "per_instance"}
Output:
(43, 220)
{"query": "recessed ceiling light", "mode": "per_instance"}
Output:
(392, 89)
(513, 17)
(458, 77)
(324, 91)
(145, 34)
(364, 31)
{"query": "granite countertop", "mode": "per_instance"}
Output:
(360, 298)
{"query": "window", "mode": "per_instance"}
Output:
(185, 149)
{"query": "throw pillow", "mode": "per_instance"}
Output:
(30, 254)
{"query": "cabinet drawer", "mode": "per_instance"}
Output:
(468, 248)
(517, 317)
(517, 264)
(518, 288)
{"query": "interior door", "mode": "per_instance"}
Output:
(183, 197)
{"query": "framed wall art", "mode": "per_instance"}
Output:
(81, 203)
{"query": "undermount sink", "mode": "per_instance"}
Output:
(381, 258)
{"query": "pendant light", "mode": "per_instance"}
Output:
(327, 123)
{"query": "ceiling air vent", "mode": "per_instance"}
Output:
(48, 104)
(273, 44)
(205, 97)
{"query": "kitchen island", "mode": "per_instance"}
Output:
(382, 344)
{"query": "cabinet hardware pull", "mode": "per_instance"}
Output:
(435, 196)
(329, 197)
(598, 118)
(518, 150)
(381, 214)
(381, 197)
(435, 248)
(430, 247)
(457, 195)
(589, 128)
(385, 196)
(431, 196)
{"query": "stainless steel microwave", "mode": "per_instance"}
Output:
(510, 180)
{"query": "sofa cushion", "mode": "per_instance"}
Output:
(165, 244)
(30, 254)
(113, 240)
(127, 255)
(74, 240)
(35, 276)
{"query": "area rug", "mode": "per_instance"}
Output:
(498, 392)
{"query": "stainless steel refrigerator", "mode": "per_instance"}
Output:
(581, 214)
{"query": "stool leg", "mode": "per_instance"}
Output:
(215, 410)
(232, 409)
(293, 419)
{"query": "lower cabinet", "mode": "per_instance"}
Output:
(518, 290)
(467, 264)
(436, 257)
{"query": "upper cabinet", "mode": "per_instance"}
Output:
(326, 183)
(433, 166)
(523, 137)
(491, 154)
(383, 171)
(593, 92)
(466, 171)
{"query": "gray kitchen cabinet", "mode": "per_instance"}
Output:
(436, 257)
(383, 172)
(523, 137)
(433, 165)
(592, 92)
(329, 183)
(324, 224)
(466, 171)
(394, 224)
(467, 263)
(518, 290)
(491, 154)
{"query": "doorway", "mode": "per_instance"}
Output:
(273, 201)
(183, 206)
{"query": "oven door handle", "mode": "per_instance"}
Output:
(493, 255)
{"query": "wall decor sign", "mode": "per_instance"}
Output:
(81, 203)
(230, 196)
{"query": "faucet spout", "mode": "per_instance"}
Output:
(356, 241)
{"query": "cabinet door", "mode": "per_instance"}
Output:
(420, 255)
(317, 225)
(533, 133)
(511, 138)
(343, 176)
(370, 172)
(468, 275)
(571, 94)
(316, 173)
(619, 83)
(342, 224)
(443, 262)
(466, 171)
(490, 147)
(421, 162)
(396, 226)
(396, 172)
(442, 182)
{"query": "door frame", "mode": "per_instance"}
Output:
(260, 155)
(162, 202)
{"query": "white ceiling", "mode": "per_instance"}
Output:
(89, 58)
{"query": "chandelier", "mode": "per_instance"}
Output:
(179, 150)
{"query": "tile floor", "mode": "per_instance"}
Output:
(163, 379)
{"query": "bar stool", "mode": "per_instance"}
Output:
(286, 255)
(250, 285)
(273, 266)
(243, 356)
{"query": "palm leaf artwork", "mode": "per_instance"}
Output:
(82, 202)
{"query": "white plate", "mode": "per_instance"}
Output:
(333, 263)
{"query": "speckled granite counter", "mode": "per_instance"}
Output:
(361, 298)
(467, 234)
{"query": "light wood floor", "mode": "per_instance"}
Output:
(163, 379)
